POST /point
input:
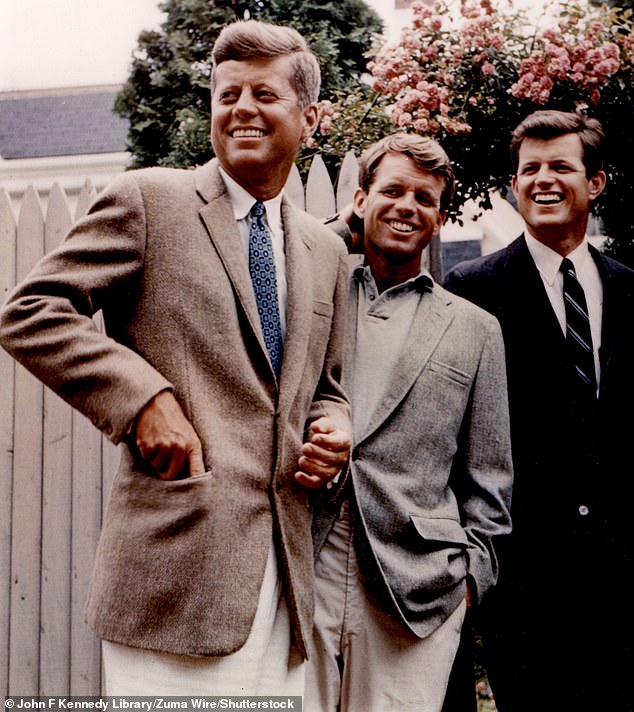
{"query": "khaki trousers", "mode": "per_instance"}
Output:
(362, 659)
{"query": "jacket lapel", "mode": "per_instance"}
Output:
(614, 315)
(217, 216)
(299, 303)
(525, 306)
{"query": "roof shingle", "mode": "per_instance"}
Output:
(60, 122)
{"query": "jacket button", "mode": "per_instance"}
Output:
(583, 510)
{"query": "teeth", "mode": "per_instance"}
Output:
(403, 227)
(546, 198)
(247, 133)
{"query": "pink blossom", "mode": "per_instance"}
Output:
(421, 126)
(325, 125)
(496, 40)
(549, 35)
(430, 52)
(404, 119)
(409, 39)
(488, 69)
(453, 126)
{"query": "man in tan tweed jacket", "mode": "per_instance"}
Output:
(203, 582)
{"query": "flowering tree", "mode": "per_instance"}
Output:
(466, 73)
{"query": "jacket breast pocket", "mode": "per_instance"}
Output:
(321, 324)
(449, 372)
(323, 309)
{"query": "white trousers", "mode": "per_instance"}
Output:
(264, 665)
(362, 659)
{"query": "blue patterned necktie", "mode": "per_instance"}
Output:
(578, 335)
(262, 269)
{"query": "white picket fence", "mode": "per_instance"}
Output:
(56, 469)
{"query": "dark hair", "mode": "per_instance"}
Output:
(548, 123)
(428, 155)
(249, 39)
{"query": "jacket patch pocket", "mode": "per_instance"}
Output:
(162, 509)
(440, 532)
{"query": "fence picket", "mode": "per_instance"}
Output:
(56, 503)
(294, 188)
(8, 231)
(86, 524)
(86, 196)
(26, 531)
(348, 180)
(320, 196)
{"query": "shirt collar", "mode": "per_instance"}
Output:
(242, 201)
(422, 282)
(548, 261)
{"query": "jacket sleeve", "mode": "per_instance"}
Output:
(330, 399)
(483, 475)
(47, 321)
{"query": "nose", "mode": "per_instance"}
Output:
(544, 174)
(406, 203)
(245, 103)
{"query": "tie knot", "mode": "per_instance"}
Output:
(567, 266)
(257, 211)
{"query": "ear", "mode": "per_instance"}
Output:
(596, 184)
(442, 216)
(358, 202)
(311, 119)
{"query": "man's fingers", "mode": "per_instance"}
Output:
(196, 464)
(335, 442)
(310, 481)
(167, 440)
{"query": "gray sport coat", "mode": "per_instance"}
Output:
(431, 476)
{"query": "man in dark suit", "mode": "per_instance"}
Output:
(409, 540)
(203, 582)
(558, 628)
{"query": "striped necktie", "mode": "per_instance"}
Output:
(262, 269)
(578, 335)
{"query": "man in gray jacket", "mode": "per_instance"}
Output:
(408, 540)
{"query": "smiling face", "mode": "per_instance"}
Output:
(257, 125)
(553, 193)
(401, 213)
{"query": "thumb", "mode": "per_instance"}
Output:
(322, 425)
(196, 463)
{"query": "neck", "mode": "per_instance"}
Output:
(388, 275)
(266, 187)
(559, 240)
